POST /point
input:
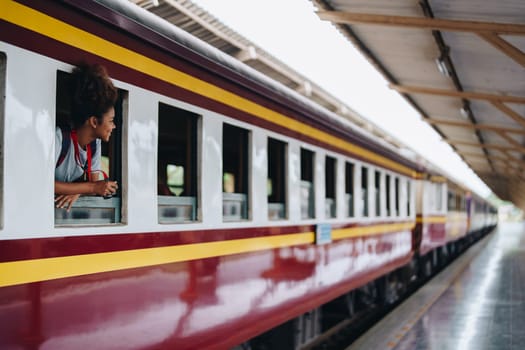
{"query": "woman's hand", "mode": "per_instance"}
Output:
(66, 200)
(105, 188)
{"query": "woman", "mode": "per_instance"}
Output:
(77, 148)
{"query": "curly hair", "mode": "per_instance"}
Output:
(93, 93)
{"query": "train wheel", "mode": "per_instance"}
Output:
(389, 289)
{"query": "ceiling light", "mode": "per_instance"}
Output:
(442, 66)
(464, 112)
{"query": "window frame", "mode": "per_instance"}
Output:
(365, 195)
(305, 185)
(281, 207)
(330, 181)
(3, 76)
(237, 201)
(100, 211)
(378, 191)
(350, 183)
(189, 203)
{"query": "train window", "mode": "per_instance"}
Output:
(330, 181)
(439, 197)
(458, 202)
(235, 150)
(409, 196)
(307, 184)
(364, 191)
(451, 201)
(177, 165)
(3, 62)
(377, 192)
(387, 191)
(276, 179)
(349, 188)
(93, 209)
(462, 205)
(396, 196)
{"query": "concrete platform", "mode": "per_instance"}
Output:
(477, 303)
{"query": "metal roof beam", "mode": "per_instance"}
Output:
(509, 112)
(494, 128)
(488, 31)
(422, 22)
(503, 159)
(520, 149)
(504, 46)
(460, 94)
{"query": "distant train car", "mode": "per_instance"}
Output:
(448, 217)
(241, 207)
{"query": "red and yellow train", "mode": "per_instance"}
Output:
(242, 205)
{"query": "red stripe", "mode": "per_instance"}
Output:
(49, 247)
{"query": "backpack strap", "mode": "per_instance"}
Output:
(66, 142)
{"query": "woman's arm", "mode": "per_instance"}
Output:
(101, 188)
(66, 193)
(74, 187)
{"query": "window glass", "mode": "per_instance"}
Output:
(235, 173)
(177, 165)
(330, 192)
(93, 209)
(349, 188)
(409, 196)
(364, 191)
(451, 201)
(307, 184)
(276, 184)
(3, 62)
(397, 196)
(439, 197)
(387, 190)
(377, 192)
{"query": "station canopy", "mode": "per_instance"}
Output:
(461, 65)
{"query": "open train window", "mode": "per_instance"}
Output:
(397, 196)
(3, 62)
(88, 210)
(461, 200)
(377, 192)
(330, 181)
(235, 150)
(409, 199)
(177, 165)
(276, 179)
(388, 196)
(451, 201)
(349, 188)
(307, 184)
(439, 197)
(364, 191)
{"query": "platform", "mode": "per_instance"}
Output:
(478, 302)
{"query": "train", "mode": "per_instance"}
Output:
(247, 216)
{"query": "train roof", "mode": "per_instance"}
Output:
(215, 56)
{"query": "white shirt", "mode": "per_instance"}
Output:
(69, 170)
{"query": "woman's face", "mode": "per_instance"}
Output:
(104, 129)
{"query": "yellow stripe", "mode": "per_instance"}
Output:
(35, 270)
(370, 230)
(431, 219)
(26, 271)
(63, 32)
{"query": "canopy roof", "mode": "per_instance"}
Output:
(461, 65)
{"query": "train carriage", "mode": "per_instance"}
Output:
(242, 204)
